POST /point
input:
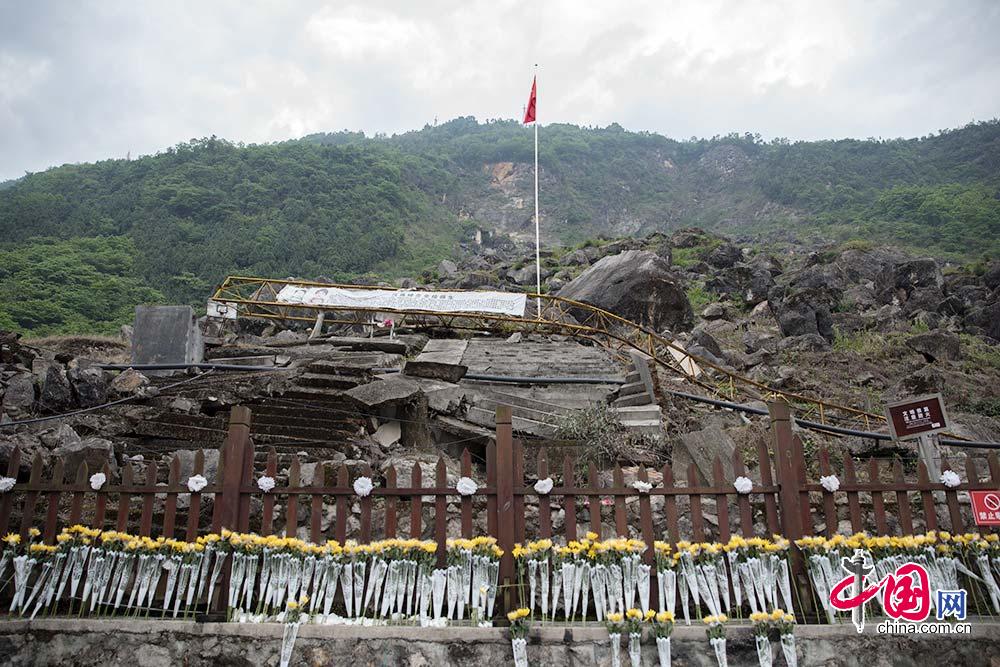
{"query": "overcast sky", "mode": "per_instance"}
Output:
(83, 81)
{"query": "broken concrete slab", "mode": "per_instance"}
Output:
(388, 434)
(395, 390)
(442, 396)
(441, 359)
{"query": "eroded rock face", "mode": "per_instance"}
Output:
(637, 285)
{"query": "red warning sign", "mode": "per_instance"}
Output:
(986, 507)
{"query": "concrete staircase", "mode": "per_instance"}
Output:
(635, 404)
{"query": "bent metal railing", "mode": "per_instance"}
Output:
(258, 298)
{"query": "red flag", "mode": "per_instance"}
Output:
(529, 113)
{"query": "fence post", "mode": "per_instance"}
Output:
(505, 501)
(237, 441)
(787, 478)
(227, 496)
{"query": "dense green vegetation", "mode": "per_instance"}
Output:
(78, 285)
(81, 244)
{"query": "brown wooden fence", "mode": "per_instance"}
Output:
(782, 501)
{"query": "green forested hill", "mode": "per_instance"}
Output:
(81, 244)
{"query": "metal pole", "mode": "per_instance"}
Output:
(538, 252)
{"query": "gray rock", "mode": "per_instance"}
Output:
(724, 256)
(713, 311)
(704, 446)
(447, 268)
(30, 446)
(515, 337)
(803, 343)
(404, 464)
(936, 345)
(755, 341)
(59, 436)
(742, 282)
(985, 319)
(913, 285)
(477, 279)
(576, 258)
(992, 276)
(289, 336)
(19, 396)
(129, 381)
(802, 312)
(186, 459)
(526, 275)
(95, 452)
(636, 285)
(705, 340)
(89, 385)
(57, 393)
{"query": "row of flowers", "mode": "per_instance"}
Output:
(632, 622)
(722, 576)
(969, 560)
(107, 572)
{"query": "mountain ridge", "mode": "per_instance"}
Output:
(169, 226)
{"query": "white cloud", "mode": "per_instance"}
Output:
(78, 85)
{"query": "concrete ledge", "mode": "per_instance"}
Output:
(156, 643)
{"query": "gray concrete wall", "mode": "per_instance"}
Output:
(100, 643)
(166, 335)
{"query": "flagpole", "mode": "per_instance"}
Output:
(538, 251)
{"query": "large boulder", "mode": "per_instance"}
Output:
(914, 285)
(724, 256)
(447, 268)
(937, 345)
(19, 395)
(742, 282)
(57, 393)
(984, 319)
(802, 312)
(95, 452)
(992, 276)
(89, 386)
(636, 285)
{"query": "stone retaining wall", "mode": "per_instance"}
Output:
(102, 643)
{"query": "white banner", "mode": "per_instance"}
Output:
(500, 303)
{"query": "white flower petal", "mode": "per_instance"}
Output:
(363, 486)
(466, 486)
(544, 486)
(641, 486)
(265, 484)
(6, 484)
(830, 483)
(743, 485)
(950, 479)
(196, 483)
(97, 480)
